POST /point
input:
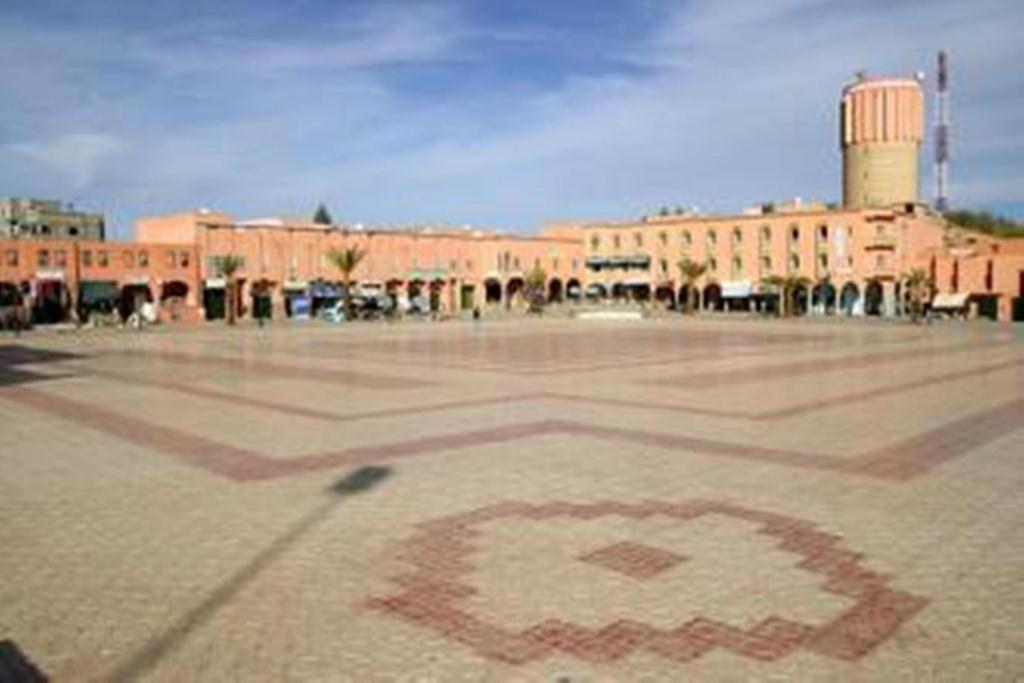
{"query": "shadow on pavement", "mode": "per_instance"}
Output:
(145, 659)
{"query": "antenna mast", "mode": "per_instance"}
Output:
(942, 134)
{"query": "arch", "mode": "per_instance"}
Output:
(513, 289)
(51, 303)
(798, 300)
(713, 297)
(823, 297)
(173, 289)
(573, 289)
(172, 296)
(684, 294)
(849, 298)
(132, 297)
(596, 290)
(618, 291)
(665, 294)
(492, 291)
(555, 290)
(873, 296)
(436, 288)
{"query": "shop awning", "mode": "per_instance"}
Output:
(597, 262)
(215, 283)
(636, 282)
(596, 288)
(947, 301)
(295, 285)
(736, 289)
(426, 274)
(326, 290)
(91, 291)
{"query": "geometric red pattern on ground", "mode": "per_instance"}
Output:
(633, 559)
(440, 553)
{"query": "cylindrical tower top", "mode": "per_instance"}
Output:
(881, 131)
(881, 110)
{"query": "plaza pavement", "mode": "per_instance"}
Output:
(698, 499)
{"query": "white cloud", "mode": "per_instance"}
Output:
(75, 157)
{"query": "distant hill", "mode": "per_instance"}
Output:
(985, 222)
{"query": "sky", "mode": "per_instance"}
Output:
(501, 113)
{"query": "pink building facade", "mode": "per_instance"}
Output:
(855, 262)
(455, 269)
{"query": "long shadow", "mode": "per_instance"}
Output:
(12, 355)
(150, 654)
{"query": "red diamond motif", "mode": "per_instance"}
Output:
(633, 559)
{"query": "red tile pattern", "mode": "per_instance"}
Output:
(897, 462)
(636, 560)
(432, 593)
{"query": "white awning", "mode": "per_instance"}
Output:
(950, 300)
(137, 280)
(736, 289)
(216, 283)
(636, 282)
(292, 285)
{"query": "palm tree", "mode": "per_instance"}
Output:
(786, 286)
(919, 285)
(535, 290)
(229, 267)
(690, 271)
(347, 260)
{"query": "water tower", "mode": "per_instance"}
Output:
(881, 130)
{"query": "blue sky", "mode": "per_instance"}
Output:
(502, 113)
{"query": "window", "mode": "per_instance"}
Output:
(595, 242)
(664, 265)
(823, 261)
(766, 263)
(766, 233)
(60, 258)
(102, 259)
(663, 238)
(687, 238)
(712, 264)
(712, 238)
(794, 262)
(171, 259)
(823, 232)
(453, 265)
(794, 233)
(128, 259)
(183, 259)
(737, 265)
(515, 263)
(43, 258)
(639, 239)
(87, 258)
(737, 235)
(73, 231)
(11, 258)
(554, 264)
(616, 241)
(143, 259)
(44, 230)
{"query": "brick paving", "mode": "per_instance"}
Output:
(660, 500)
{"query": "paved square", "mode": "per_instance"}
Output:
(526, 500)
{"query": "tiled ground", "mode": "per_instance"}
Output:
(563, 501)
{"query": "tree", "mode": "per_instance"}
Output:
(786, 286)
(347, 260)
(689, 272)
(919, 286)
(322, 215)
(663, 211)
(535, 289)
(229, 267)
